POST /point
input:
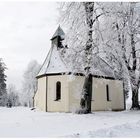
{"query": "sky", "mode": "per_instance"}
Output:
(25, 32)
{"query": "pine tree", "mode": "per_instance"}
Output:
(3, 92)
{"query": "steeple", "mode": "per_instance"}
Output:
(57, 38)
(53, 62)
(58, 33)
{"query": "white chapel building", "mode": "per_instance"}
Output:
(59, 90)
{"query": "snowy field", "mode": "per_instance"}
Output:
(22, 122)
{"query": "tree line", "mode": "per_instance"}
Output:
(10, 96)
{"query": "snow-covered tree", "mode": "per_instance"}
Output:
(109, 30)
(3, 92)
(12, 96)
(122, 44)
(83, 39)
(30, 83)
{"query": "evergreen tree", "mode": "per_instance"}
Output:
(3, 93)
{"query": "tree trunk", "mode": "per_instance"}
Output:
(87, 87)
(135, 99)
(86, 96)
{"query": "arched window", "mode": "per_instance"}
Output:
(58, 90)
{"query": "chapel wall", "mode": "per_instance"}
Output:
(61, 105)
(40, 96)
(75, 89)
(99, 94)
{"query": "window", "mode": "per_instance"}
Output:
(107, 93)
(58, 91)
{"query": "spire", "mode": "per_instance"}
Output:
(53, 62)
(59, 32)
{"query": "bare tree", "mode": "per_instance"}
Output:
(83, 22)
(108, 29)
(124, 44)
(12, 96)
(30, 83)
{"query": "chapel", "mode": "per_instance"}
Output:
(59, 88)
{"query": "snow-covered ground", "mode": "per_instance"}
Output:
(22, 122)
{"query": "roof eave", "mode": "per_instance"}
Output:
(77, 74)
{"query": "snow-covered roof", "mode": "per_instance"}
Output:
(53, 63)
(101, 67)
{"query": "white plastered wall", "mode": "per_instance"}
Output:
(40, 96)
(61, 105)
(75, 89)
(99, 96)
(71, 87)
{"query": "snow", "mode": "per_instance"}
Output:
(22, 122)
(45, 64)
(56, 64)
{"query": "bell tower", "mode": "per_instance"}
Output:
(58, 37)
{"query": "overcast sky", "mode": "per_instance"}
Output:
(25, 32)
